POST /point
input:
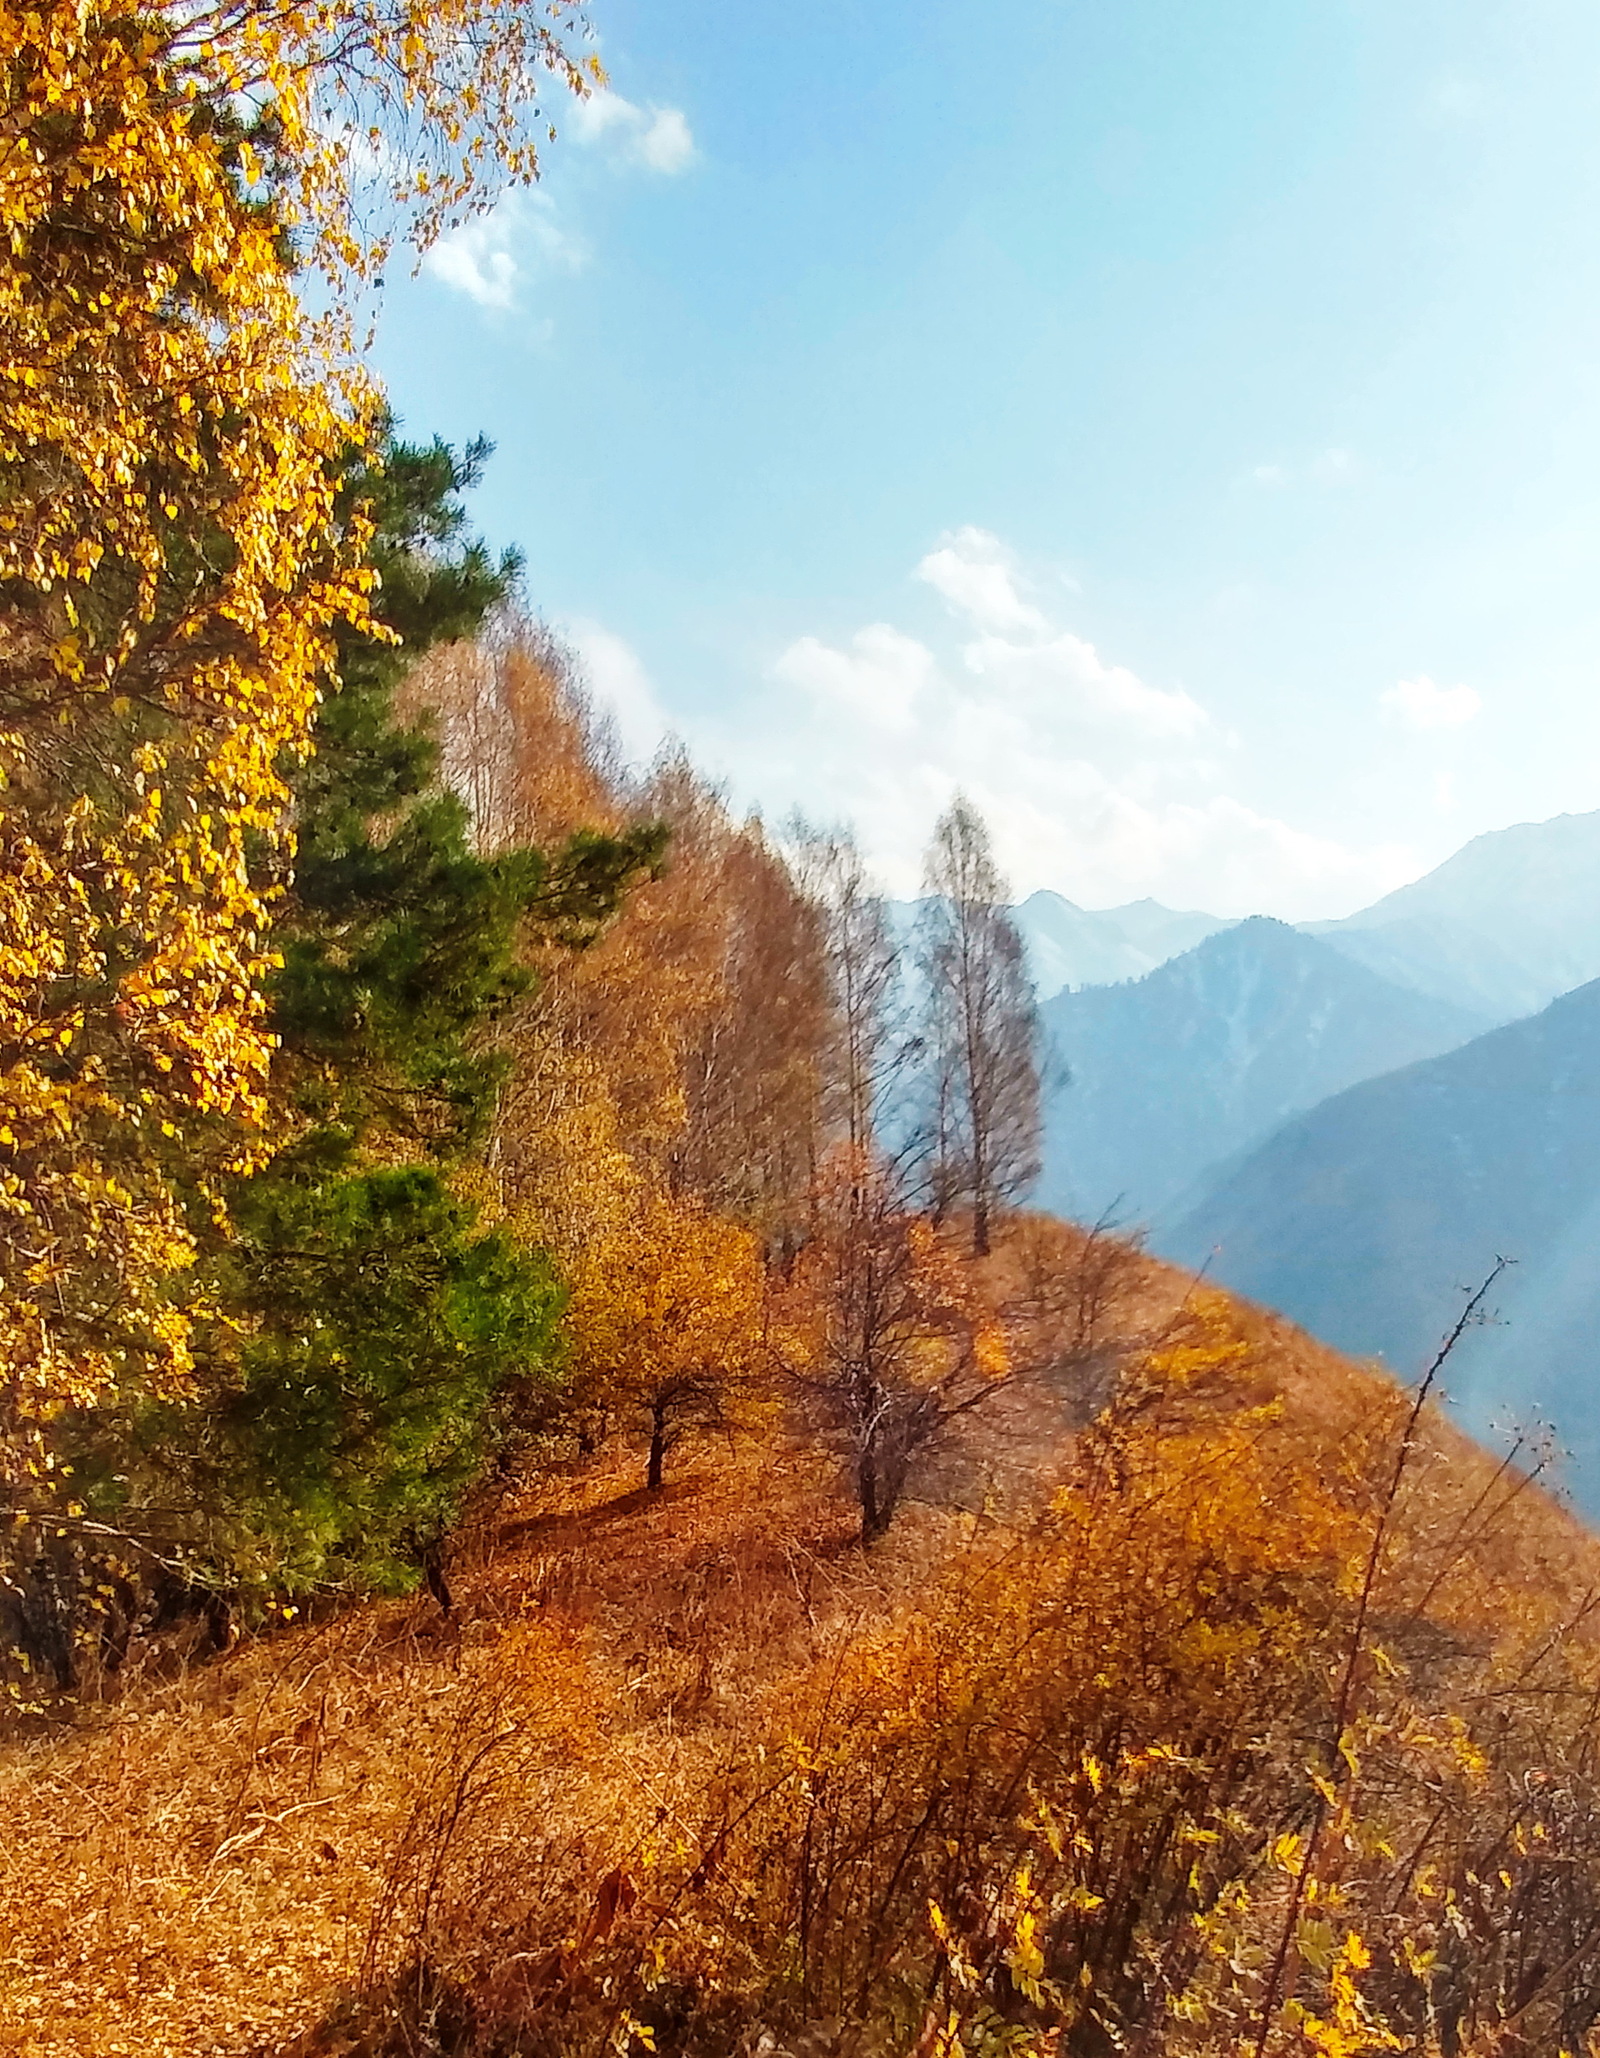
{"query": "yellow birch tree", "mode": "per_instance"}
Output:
(174, 559)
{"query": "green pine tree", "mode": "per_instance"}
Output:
(369, 1327)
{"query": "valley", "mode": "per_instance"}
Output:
(1352, 1122)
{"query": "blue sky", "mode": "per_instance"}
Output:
(1178, 425)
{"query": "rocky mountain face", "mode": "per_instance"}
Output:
(1501, 928)
(1158, 1080)
(1366, 1218)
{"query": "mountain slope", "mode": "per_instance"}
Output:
(1207, 1054)
(234, 1857)
(1502, 927)
(1363, 1218)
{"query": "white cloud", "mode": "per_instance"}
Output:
(621, 686)
(666, 145)
(487, 258)
(1333, 467)
(1422, 705)
(877, 681)
(490, 258)
(1094, 781)
(477, 261)
(599, 114)
(658, 138)
(368, 152)
(1246, 862)
(1031, 666)
(1062, 679)
(973, 574)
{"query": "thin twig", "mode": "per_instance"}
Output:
(1345, 1699)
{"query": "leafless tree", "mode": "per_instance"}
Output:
(679, 1404)
(879, 1325)
(981, 1037)
(868, 1045)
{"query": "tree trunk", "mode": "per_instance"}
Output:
(658, 1447)
(876, 1506)
(433, 1573)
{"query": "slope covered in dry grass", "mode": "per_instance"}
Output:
(1098, 1750)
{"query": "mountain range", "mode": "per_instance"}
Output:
(1351, 1121)
(1152, 1083)
(1509, 922)
(1501, 928)
(1069, 946)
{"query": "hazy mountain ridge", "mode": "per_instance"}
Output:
(1499, 929)
(1363, 1218)
(1071, 947)
(1207, 1054)
(1503, 927)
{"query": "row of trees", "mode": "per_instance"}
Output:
(590, 1108)
(220, 1085)
(379, 1056)
(186, 553)
(354, 1315)
(939, 1059)
(758, 1119)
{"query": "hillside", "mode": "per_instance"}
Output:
(1509, 922)
(1362, 1218)
(1173, 1073)
(555, 1502)
(591, 1796)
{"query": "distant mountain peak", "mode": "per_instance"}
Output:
(1207, 1053)
(1503, 926)
(1499, 929)
(1070, 947)
(1260, 930)
(1156, 907)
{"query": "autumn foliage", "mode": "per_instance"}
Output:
(175, 559)
(547, 1511)
(173, 563)
(1079, 1780)
(1059, 1766)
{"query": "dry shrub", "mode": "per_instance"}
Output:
(1142, 1778)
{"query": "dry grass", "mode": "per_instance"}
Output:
(193, 1869)
(196, 1867)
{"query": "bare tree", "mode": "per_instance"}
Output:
(681, 1402)
(982, 1029)
(884, 1326)
(862, 958)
